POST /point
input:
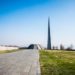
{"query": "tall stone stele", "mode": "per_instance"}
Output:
(49, 36)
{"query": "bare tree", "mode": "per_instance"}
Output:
(61, 47)
(70, 47)
(53, 47)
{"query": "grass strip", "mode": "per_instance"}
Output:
(57, 62)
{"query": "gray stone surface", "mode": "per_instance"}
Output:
(25, 62)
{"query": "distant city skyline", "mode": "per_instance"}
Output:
(23, 22)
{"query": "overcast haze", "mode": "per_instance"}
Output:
(23, 22)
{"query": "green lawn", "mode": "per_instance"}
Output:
(57, 62)
(7, 51)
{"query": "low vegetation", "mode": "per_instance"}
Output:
(57, 62)
(7, 51)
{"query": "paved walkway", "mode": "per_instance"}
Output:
(25, 62)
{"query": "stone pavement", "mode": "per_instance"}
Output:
(24, 62)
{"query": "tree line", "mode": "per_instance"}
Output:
(62, 47)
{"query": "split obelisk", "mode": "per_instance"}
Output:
(49, 36)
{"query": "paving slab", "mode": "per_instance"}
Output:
(24, 62)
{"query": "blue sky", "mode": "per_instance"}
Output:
(23, 22)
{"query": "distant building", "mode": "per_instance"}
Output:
(8, 48)
(35, 46)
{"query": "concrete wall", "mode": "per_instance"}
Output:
(7, 48)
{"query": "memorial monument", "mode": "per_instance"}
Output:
(49, 36)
